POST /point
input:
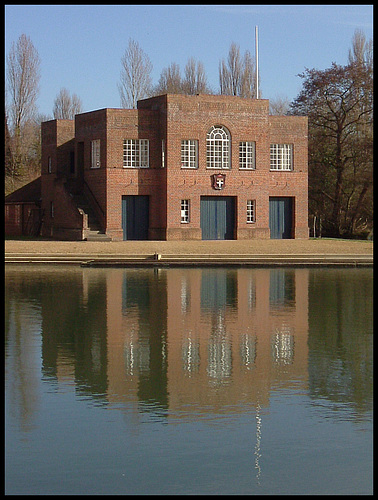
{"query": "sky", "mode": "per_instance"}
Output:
(81, 46)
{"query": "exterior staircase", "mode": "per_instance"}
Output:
(94, 231)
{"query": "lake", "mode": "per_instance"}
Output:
(188, 380)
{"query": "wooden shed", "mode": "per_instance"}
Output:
(23, 213)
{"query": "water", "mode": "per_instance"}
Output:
(188, 381)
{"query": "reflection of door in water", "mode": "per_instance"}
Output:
(135, 214)
(217, 217)
(218, 289)
(280, 217)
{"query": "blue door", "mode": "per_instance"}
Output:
(280, 217)
(217, 217)
(135, 216)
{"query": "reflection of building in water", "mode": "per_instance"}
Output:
(249, 328)
(179, 337)
(137, 352)
(205, 337)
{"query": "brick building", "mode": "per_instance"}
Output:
(178, 167)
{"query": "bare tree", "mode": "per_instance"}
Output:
(248, 81)
(7, 150)
(230, 72)
(362, 50)
(279, 106)
(23, 75)
(66, 106)
(136, 80)
(195, 80)
(170, 81)
(237, 74)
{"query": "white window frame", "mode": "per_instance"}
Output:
(189, 153)
(251, 211)
(136, 153)
(95, 154)
(247, 157)
(218, 148)
(185, 211)
(281, 157)
(163, 153)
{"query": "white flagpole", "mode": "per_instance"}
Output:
(257, 62)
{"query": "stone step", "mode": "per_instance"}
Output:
(97, 236)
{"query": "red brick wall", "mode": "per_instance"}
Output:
(173, 118)
(191, 117)
(58, 142)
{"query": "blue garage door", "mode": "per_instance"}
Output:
(281, 217)
(135, 215)
(217, 217)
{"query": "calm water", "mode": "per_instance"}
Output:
(188, 381)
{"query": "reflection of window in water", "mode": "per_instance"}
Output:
(220, 359)
(283, 345)
(218, 289)
(219, 352)
(190, 356)
(282, 288)
(137, 356)
(185, 295)
(251, 294)
(248, 350)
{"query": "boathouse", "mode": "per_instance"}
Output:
(179, 167)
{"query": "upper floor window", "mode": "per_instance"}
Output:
(218, 147)
(95, 153)
(247, 155)
(49, 169)
(136, 153)
(189, 154)
(281, 157)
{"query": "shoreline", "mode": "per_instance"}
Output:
(258, 253)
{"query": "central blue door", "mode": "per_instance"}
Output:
(135, 216)
(217, 217)
(280, 217)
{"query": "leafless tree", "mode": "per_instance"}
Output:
(136, 80)
(237, 74)
(23, 75)
(66, 106)
(279, 105)
(248, 82)
(362, 50)
(195, 80)
(230, 72)
(170, 81)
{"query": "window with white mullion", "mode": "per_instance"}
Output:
(95, 153)
(281, 157)
(251, 211)
(184, 211)
(218, 148)
(136, 153)
(189, 153)
(247, 155)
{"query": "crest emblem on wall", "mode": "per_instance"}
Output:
(218, 181)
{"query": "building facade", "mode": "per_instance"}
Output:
(178, 167)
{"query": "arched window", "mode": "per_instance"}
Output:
(218, 147)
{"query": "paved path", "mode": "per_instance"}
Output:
(240, 252)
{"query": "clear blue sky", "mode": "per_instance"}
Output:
(81, 46)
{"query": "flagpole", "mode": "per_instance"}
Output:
(257, 62)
